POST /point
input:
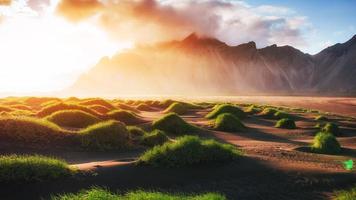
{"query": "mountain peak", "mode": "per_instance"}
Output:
(191, 38)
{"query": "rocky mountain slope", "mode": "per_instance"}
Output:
(206, 66)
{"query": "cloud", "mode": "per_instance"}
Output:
(233, 22)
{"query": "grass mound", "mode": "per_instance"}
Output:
(268, 112)
(5, 109)
(101, 102)
(127, 107)
(321, 118)
(331, 128)
(252, 110)
(286, 123)
(178, 108)
(135, 132)
(346, 194)
(189, 150)
(105, 136)
(156, 137)
(103, 194)
(281, 115)
(30, 131)
(32, 168)
(228, 122)
(99, 109)
(144, 107)
(226, 108)
(325, 143)
(72, 118)
(172, 123)
(127, 117)
(63, 106)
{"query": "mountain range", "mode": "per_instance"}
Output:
(206, 66)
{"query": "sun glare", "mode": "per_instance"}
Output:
(46, 54)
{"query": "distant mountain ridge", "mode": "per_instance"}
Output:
(207, 66)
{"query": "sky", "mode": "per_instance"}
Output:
(45, 45)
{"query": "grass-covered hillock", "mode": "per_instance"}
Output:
(346, 194)
(135, 132)
(63, 106)
(321, 118)
(282, 115)
(103, 194)
(127, 117)
(144, 107)
(102, 102)
(252, 109)
(286, 123)
(325, 143)
(30, 131)
(174, 124)
(189, 150)
(156, 137)
(72, 118)
(14, 168)
(268, 113)
(331, 128)
(226, 108)
(228, 122)
(124, 106)
(99, 109)
(105, 136)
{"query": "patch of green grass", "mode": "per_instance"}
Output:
(135, 132)
(97, 101)
(226, 108)
(156, 137)
(127, 117)
(178, 108)
(281, 115)
(30, 131)
(174, 124)
(189, 150)
(331, 128)
(252, 110)
(286, 123)
(63, 106)
(346, 194)
(103, 194)
(268, 113)
(105, 136)
(321, 118)
(72, 118)
(228, 122)
(325, 143)
(32, 168)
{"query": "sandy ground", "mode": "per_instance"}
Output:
(275, 165)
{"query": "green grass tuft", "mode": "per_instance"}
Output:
(105, 136)
(325, 143)
(127, 117)
(156, 137)
(346, 194)
(172, 123)
(32, 168)
(189, 150)
(331, 128)
(228, 122)
(281, 115)
(286, 123)
(72, 118)
(226, 108)
(103, 194)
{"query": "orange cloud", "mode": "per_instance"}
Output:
(5, 2)
(77, 10)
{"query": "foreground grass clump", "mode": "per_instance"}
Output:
(286, 123)
(31, 131)
(325, 143)
(331, 128)
(268, 112)
(127, 117)
(72, 118)
(346, 194)
(226, 108)
(228, 122)
(156, 137)
(189, 150)
(63, 106)
(105, 136)
(103, 194)
(32, 168)
(172, 123)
